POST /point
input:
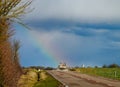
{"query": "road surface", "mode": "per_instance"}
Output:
(74, 79)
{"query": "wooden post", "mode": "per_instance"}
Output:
(38, 74)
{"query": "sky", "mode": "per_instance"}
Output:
(72, 31)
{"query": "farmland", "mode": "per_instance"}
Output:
(112, 73)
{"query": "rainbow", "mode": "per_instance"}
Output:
(45, 48)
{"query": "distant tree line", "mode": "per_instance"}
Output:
(40, 67)
(111, 66)
(104, 66)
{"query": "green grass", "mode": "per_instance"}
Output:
(104, 72)
(48, 82)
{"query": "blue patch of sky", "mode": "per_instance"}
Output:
(78, 54)
(30, 53)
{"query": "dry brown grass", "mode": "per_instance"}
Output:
(43, 75)
(28, 80)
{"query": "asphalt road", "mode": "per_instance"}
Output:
(74, 79)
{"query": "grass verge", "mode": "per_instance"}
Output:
(47, 81)
(29, 79)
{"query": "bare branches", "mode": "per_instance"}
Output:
(16, 46)
(7, 5)
(12, 8)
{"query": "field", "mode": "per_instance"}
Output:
(113, 73)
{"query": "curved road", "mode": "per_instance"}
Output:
(74, 79)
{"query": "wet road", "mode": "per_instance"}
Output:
(73, 79)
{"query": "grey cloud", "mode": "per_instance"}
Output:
(77, 10)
